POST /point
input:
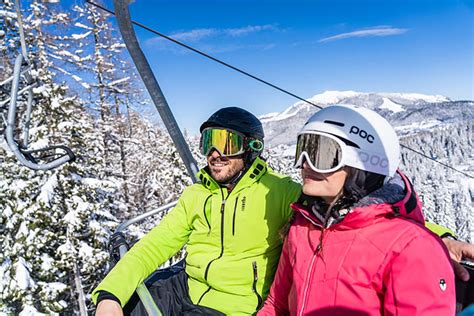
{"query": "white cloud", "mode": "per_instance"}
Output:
(371, 32)
(197, 35)
(225, 48)
(249, 29)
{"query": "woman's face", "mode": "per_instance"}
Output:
(325, 185)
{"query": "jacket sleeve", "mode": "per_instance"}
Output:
(162, 242)
(439, 230)
(420, 279)
(277, 300)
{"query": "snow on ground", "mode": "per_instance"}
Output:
(391, 106)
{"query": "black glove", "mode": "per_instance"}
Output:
(115, 241)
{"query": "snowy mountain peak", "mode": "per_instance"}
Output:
(394, 102)
(391, 106)
(400, 109)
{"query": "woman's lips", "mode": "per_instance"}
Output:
(312, 177)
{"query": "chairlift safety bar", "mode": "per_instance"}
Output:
(142, 290)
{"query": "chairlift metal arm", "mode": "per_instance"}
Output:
(126, 29)
(141, 63)
(10, 125)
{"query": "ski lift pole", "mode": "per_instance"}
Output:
(126, 29)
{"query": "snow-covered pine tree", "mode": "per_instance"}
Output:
(54, 223)
(447, 195)
(9, 39)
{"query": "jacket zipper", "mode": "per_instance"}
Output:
(205, 215)
(254, 285)
(309, 276)
(222, 245)
(233, 217)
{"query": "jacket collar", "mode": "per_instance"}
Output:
(396, 198)
(258, 168)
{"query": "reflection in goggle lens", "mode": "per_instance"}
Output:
(228, 143)
(323, 152)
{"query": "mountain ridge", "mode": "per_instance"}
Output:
(407, 112)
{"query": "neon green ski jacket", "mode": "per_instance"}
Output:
(232, 241)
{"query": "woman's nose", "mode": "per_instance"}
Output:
(306, 165)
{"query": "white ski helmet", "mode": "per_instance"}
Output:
(371, 143)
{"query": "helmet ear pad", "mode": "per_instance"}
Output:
(254, 148)
(255, 145)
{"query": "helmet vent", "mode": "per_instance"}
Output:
(334, 123)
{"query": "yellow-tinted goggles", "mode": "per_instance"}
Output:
(226, 142)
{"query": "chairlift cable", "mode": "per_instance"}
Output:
(208, 56)
(256, 78)
(441, 163)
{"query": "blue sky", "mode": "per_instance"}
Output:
(306, 47)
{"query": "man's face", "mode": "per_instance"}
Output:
(224, 168)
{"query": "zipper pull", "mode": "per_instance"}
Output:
(255, 273)
(318, 248)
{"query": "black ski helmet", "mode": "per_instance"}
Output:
(242, 121)
(236, 119)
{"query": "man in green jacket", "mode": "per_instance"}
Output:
(229, 222)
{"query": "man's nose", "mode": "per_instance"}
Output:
(214, 154)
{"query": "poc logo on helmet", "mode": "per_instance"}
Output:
(363, 134)
(373, 159)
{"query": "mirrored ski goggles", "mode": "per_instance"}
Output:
(226, 142)
(323, 152)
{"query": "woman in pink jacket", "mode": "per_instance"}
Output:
(357, 243)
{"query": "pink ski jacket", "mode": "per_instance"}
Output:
(379, 260)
